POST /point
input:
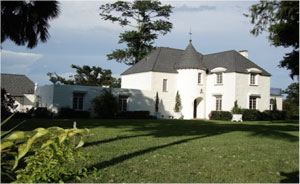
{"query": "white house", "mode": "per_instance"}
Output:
(205, 83)
(21, 88)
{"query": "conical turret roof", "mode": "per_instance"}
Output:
(190, 59)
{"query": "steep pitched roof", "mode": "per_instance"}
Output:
(17, 85)
(190, 59)
(168, 60)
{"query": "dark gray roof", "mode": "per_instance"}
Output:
(190, 59)
(17, 85)
(167, 60)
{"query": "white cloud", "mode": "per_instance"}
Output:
(21, 57)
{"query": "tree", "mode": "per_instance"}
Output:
(7, 104)
(281, 20)
(88, 76)
(178, 105)
(147, 26)
(156, 102)
(106, 105)
(26, 22)
(291, 103)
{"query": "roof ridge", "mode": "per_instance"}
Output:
(220, 52)
(12, 74)
(155, 62)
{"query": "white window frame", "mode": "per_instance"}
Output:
(253, 79)
(79, 99)
(199, 78)
(123, 103)
(254, 99)
(165, 85)
(218, 102)
(219, 78)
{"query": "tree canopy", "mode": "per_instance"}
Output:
(26, 22)
(145, 18)
(281, 20)
(291, 103)
(88, 76)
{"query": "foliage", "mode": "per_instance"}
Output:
(274, 103)
(221, 115)
(156, 102)
(26, 22)
(7, 104)
(291, 103)
(42, 155)
(236, 109)
(146, 15)
(251, 115)
(134, 115)
(105, 105)
(178, 105)
(88, 76)
(281, 20)
(269, 115)
(66, 112)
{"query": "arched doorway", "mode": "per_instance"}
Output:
(198, 108)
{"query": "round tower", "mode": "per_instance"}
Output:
(191, 82)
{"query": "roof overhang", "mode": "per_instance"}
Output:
(254, 70)
(218, 69)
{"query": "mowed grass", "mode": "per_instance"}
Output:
(187, 151)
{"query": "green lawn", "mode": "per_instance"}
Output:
(159, 151)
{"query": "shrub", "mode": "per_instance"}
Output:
(66, 112)
(221, 115)
(236, 109)
(134, 115)
(105, 105)
(251, 115)
(269, 115)
(42, 112)
(178, 105)
(41, 156)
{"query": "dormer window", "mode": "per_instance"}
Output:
(219, 78)
(253, 79)
(199, 78)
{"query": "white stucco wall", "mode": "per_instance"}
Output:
(44, 95)
(279, 101)
(244, 90)
(141, 81)
(189, 90)
(226, 90)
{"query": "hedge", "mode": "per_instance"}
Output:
(221, 115)
(134, 115)
(66, 112)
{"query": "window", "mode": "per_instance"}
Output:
(123, 103)
(252, 79)
(78, 101)
(218, 103)
(252, 102)
(165, 85)
(219, 78)
(199, 78)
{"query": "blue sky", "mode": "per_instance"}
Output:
(79, 36)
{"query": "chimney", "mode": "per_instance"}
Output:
(244, 53)
(35, 86)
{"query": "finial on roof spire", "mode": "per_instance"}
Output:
(190, 33)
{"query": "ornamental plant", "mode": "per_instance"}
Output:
(236, 109)
(178, 105)
(41, 156)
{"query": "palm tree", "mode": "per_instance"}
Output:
(26, 22)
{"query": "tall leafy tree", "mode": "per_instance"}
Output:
(281, 20)
(148, 18)
(26, 22)
(291, 103)
(88, 76)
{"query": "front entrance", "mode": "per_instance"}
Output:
(198, 108)
(195, 108)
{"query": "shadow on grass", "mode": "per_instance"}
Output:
(169, 128)
(292, 177)
(122, 158)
